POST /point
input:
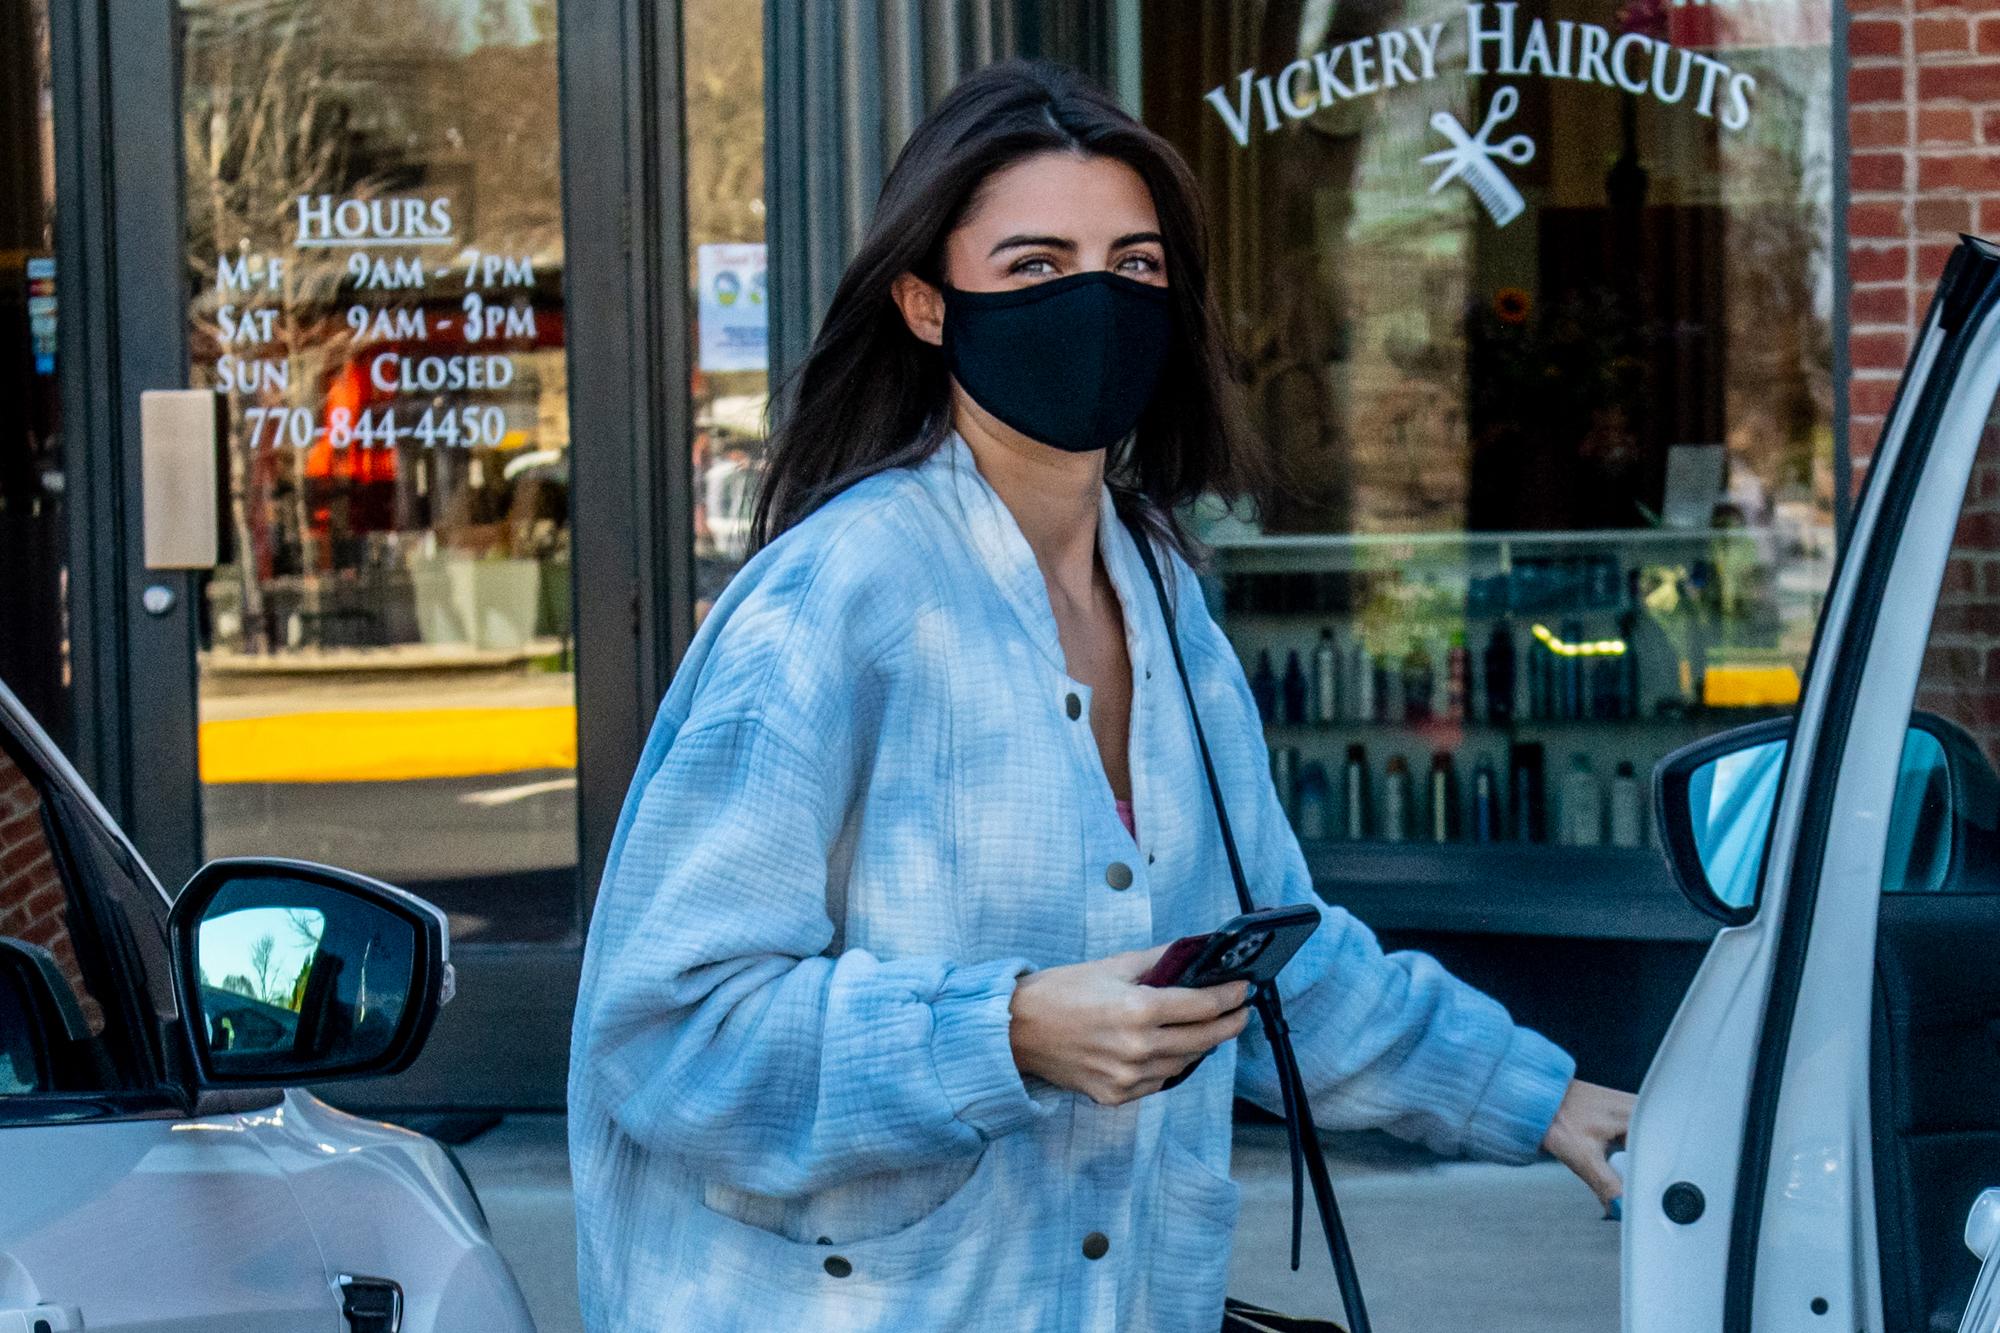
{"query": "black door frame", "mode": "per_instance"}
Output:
(504, 1042)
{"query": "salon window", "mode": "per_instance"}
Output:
(1533, 309)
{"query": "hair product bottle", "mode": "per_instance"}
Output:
(1388, 698)
(1627, 813)
(1500, 674)
(1582, 805)
(1457, 674)
(1530, 668)
(1264, 687)
(1525, 777)
(1419, 682)
(1485, 804)
(1358, 803)
(1601, 686)
(1363, 693)
(1314, 819)
(1443, 798)
(1294, 688)
(1285, 776)
(1397, 799)
(1326, 678)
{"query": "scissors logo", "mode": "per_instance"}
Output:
(1472, 156)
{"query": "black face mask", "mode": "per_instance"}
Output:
(1072, 362)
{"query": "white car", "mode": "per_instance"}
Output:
(1817, 1143)
(155, 1173)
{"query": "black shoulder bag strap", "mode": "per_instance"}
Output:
(1303, 1135)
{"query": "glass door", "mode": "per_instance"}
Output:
(397, 249)
(33, 522)
(387, 663)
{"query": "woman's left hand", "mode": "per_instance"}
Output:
(1589, 1124)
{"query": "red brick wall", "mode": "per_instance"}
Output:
(1961, 676)
(32, 904)
(1924, 120)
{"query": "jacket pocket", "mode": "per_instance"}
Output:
(1194, 1218)
(855, 1209)
(928, 1248)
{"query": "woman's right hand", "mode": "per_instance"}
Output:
(1092, 1028)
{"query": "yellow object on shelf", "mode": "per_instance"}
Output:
(1749, 687)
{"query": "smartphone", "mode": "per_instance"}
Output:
(1254, 947)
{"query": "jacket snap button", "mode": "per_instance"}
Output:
(836, 1266)
(1096, 1245)
(1073, 706)
(1118, 875)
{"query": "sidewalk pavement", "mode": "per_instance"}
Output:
(1442, 1246)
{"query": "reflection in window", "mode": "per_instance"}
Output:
(1958, 701)
(34, 595)
(375, 250)
(1532, 303)
(1961, 677)
(724, 71)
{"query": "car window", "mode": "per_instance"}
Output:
(66, 1034)
(1948, 783)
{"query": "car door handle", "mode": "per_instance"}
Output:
(41, 1319)
(370, 1304)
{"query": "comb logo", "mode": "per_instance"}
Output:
(1471, 158)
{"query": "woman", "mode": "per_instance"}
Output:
(859, 1044)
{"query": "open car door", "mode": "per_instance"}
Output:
(1826, 1107)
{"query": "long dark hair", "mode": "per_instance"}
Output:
(871, 395)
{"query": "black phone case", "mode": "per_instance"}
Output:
(1279, 931)
(1254, 947)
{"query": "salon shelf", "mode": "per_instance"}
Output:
(1281, 553)
(1704, 722)
(1606, 893)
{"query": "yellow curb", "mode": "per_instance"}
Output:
(392, 746)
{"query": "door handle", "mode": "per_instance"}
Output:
(371, 1304)
(41, 1319)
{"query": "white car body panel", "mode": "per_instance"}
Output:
(1818, 1240)
(239, 1222)
(1689, 1127)
(386, 1202)
(158, 1226)
(1817, 1260)
(1689, 1122)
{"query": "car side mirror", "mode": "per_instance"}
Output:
(1714, 801)
(290, 972)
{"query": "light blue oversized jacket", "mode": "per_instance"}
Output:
(870, 802)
